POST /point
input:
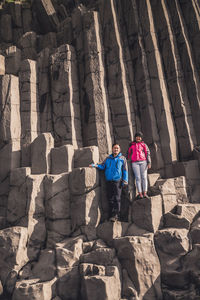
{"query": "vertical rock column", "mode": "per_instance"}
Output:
(97, 129)
(175, 80)
(10, 131)
(158, 85)
(120, 98)
(142, 83)
(189, 65)
(65, 97)
(45, 104)
(30, 121)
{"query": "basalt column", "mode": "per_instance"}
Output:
(120, 98)
(158, 86)
(175, 79)
(44, 90)
(10, 132)
(29, 109)
(141, 77)
(188, 56)
(97, 129)
(65, 97)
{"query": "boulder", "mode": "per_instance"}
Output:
(83, 157)
(175, 221)
(68, 253)
(83, 180)
(182, 189)
(147, 213)
(138, 257)
(110, 230)
(188, 211)
(101, 256)
(33, 289)
(168, 193)
(100, 286)
(62, 159)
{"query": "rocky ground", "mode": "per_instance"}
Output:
(75, 76)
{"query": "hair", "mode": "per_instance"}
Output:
(139, 133)
(115, 145)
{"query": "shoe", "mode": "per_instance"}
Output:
(114, 218)
(138, 197)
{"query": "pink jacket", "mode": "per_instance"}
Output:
(139, 152)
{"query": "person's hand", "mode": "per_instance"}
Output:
(149, 166)
(92, 165)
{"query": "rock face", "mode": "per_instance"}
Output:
(76, 77)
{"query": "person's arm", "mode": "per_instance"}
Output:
(148, 155)
(99, 166)
(125, 173)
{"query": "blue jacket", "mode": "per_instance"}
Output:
(115, 168)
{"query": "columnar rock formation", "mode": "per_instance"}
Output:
(75, 77)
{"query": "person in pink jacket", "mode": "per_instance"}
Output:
(141, 161)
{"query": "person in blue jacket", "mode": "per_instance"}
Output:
(116, 174)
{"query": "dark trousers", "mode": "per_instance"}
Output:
(114, 191)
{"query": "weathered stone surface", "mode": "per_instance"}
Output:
(147, 213)
(12, 60)
(10, 125)
(27, 44)
(2, 65)
(103, 287)
(58, 207)
(110, 230)
(85, 209)
(190, 169)
(36, 215)
(172, 245)
(34, 289)
(128, 288)
(44, 90)
(13, 252)
(83, 180)
(134, 230)
(138, 256)
(54, 184)
(62, 159)
(195, 231)
(68, 253)
(69, 282)
(85, 156)
(40, 154)
(152, 178)
(46, 15)
(97, 128)
(101, 256)
(6, 27)
(168, 193)
(182, 190)
(44, 268)
(176, 221)
(188, 211)
(29, 107)
(65, 97)
(17, 199)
